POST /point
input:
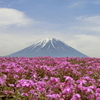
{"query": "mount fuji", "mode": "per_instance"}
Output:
(48, 47)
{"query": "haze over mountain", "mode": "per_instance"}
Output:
(48, 47)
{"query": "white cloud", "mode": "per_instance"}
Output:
(10, 43)
(88, 23)
(90, 19)
(86, 37)
(77, 4)
(87, 44)
(14, 17)
(97, 2)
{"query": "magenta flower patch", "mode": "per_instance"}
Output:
(47, 78)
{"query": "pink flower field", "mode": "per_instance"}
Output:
(47, 78)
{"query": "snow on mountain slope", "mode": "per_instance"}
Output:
(48, 47)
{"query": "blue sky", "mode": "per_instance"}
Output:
(76, 22)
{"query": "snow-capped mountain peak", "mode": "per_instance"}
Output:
(46, 41)
(49, 39)
(49, 47)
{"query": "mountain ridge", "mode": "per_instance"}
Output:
(48, 47)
